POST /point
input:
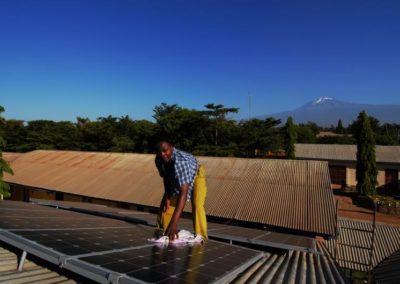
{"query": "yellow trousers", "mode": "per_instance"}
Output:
(198, 199)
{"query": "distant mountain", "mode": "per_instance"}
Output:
(326, 111)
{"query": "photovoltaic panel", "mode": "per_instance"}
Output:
(187, 264)
(246, 233)
(289, 240)
(217, 231)
(100, 210)
(84, 241)
(118, 252)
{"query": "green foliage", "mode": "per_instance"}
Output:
(290, 137)
(340, 128)
(366, 170)
(187, 128)
(386, 134)
(259, 136)
(218, 114)
(231, 150)
(307, 133)
(4, 165)
(206, 132)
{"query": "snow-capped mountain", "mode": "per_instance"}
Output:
(326, 111)
(321, 100)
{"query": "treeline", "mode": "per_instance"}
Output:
(202, 132)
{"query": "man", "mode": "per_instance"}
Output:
(184, 179)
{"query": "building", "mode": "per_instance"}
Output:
(342, 162)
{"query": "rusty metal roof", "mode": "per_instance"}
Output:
(31, 273)
(289, 194)
(355, 240)
(337, 152)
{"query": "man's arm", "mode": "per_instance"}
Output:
(171, 230)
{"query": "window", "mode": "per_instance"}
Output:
(338, 175)
(391, 179)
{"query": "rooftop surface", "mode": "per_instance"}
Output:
(102, 248)
(288, 194)
(348, 153)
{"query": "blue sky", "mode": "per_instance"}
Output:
(90, 58)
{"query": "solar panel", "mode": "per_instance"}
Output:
(82, 241)
(118, 250)
(188, 264)
(216, 231)
(291, 241)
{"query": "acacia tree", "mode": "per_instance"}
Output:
(4, 165)
(366, 170)
(290, 137)
(218, 114)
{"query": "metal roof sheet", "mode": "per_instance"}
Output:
(355, 240)
(10, 157)
(32, 272)
(338, 152)
(290, 194)
(292, 267)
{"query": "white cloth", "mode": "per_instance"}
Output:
(184, 236)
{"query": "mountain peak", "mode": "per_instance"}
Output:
(321, 100)
(326, 111)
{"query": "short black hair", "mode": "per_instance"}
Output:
(163, 138)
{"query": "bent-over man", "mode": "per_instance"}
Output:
(184, 179)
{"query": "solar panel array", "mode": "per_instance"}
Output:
(216, 231)
(107, 250)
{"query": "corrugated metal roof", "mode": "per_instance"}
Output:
(355, 240)
(10, 157)
(32, 273)
(387, 272)
(337, 152)
(290, 194)
(292, 267)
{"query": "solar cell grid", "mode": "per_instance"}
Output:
(290, 240)
(56, 222)
(175, 263)
(239, 231)
(74, 242)
(121, 247)
(220, 231)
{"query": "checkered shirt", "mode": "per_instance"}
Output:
(182, 169)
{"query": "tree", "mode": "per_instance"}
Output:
(143, 132)
(259, 136)
(366, 170)
(218, 114)
(340, 128)
(307, 133)
(186, 127)
(15, 135)
(290, 137)
(4, 165)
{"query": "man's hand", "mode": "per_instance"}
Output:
(171, 232)
(167, 203)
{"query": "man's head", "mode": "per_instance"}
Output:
(165, 150)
